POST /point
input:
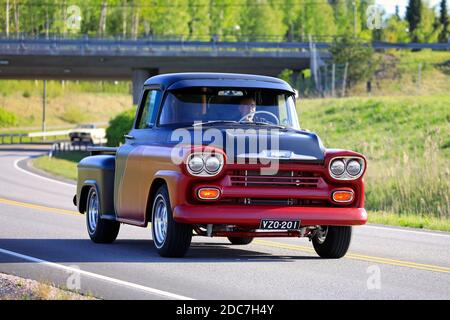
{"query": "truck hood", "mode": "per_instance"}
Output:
(267, 143)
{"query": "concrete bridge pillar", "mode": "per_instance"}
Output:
(138, 78)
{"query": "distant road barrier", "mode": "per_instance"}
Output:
(11, 138)
(67, 146)
(117, 47)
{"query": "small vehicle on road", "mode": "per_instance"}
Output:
(87, 134)
(222, 155)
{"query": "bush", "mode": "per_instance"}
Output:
(7, 119)
(359, 55)
(119, 126)
(26, 94)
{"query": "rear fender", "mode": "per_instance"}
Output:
(98, 172)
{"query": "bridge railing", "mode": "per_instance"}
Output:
(63, 146)
(121, 46)
(12, 138)
(117, 46)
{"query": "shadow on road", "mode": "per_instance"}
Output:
(133, 251)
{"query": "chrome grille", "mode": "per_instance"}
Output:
(287, 178)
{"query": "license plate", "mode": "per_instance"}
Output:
(280, 224)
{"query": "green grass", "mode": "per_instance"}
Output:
(72, 103)
(398, 74)
(409, 220)
(63, 165)
(406, 141)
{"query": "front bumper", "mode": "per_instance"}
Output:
(251, 216)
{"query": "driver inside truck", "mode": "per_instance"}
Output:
(247, 109)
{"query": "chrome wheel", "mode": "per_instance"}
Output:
(92, 211)
(160, 221)
(321, 234)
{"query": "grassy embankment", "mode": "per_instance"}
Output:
(398, 74)
(407, 143)
(68, 104)
(63, 165)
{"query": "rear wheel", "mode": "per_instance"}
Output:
(332, 242)
(171, 239)
(240, 240)
(99, 230)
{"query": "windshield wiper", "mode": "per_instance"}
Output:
(213, 122)
(264, 124)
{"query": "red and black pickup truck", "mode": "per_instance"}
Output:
(222, 155)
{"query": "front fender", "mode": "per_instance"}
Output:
(177, 184)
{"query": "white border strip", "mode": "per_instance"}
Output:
(16, 166)
(161, 293)
(399, 229)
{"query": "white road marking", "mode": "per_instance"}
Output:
(161, 293)
(16, 166)
(393, 229)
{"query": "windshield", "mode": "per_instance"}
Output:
(259, 106)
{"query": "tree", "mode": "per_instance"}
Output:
(317, 19)
(225, 20)
(443, 19)
(428, 28)
(103, 16)
(397, 12)
(414, 16)
(291, 10)
(359, 55)
(343, 17)
(200, 21)
(170, 18)
(261, 19)
(396, 30)
(365, 32)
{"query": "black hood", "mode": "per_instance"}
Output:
(258, 142)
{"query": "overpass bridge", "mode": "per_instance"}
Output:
(108, 59)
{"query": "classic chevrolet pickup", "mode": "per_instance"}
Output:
(222, 155)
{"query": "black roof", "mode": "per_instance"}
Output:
(195, 79)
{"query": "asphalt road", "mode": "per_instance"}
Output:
(43, 238)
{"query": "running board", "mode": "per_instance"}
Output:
(102, 150)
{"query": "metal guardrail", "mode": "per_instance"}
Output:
(67, 146)
(118, 47)
(6, 138)
(138, 47)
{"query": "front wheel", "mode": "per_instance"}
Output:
(99, 230)
(332, 242)
(240, 240)
(171, 239)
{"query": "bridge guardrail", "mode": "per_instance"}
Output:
(83, 45)
(8, 138)
(67, 146)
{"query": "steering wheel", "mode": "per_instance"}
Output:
(277, 121)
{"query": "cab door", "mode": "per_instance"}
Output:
(132, 174)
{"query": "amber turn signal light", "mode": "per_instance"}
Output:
(208, 193)
(343, 196)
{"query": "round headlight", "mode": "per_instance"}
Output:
(353, 167)
(212, 164)
(196, 164)
(337, 167)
